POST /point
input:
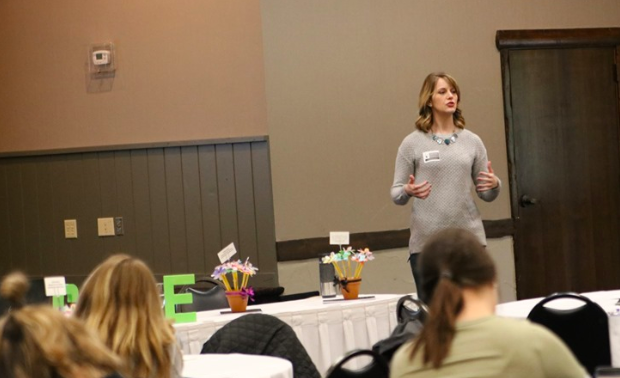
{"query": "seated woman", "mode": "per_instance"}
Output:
(462, 337)
(40, 342)
(119, 300)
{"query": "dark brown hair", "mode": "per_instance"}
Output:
(451, 260)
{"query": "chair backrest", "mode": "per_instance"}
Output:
(584, 329)
(266, 335)
(409, 308)
(411, 314)
(376, 368)
(212, 299)
(607, 371)
(297, 296)
(263, 295)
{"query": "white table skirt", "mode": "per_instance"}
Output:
(327, 330)
(606, 299)
(235, 366)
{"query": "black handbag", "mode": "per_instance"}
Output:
(411, 314)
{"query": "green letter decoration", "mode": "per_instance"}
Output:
(171, 299)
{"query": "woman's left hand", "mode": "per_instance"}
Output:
(487, 180)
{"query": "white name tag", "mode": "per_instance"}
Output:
(430, 156)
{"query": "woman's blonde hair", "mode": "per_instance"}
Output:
(39, 341)
(120, 300)
(425, 114)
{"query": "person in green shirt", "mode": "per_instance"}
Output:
(462, 337)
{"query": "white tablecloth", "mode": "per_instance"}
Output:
(235, 366)
(606, 299)
(327, 330)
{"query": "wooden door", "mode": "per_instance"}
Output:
(563, 136)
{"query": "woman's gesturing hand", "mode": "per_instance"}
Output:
(487, 180)
(417, 190)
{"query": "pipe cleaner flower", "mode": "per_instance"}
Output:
(341, 261)
(234, 268)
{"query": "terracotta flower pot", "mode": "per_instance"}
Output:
(237, 301)
(350, 288)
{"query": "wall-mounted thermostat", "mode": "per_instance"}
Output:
(101, 57)
(102, 60)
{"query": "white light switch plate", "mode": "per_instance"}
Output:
(105, 226)
(70, 229)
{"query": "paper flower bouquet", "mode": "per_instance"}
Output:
(348, 264)
(237, 290)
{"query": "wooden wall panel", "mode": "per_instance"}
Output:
(141, 222)
(209, 195)
(47, 242)
(192, 208)
(176, 210)
(59, 213)
(225, 165)
(124, 200)
(31, 223)
(263, 200)
(245, 200)
(159, 211)
(5, 233)
(16, 213)
(180, 206)
(89, 211)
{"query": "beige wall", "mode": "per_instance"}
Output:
(187, 70)
(334, 83)
(342, 84)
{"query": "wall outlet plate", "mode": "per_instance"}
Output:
(71, 229)
(105, 226)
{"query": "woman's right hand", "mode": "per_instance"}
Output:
(417, 190)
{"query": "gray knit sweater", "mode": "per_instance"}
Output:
(452, 170)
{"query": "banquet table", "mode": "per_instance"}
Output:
(606, 299)
(326, 328)
(235, 366)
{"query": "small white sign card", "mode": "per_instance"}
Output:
(226, 253)
(55, 286)
(339, 237)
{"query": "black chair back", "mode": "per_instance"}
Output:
(376, 368)
(208, 294)
(607, 371)
(262, 334)
(584, 329)
(411, 314)
(409, 308)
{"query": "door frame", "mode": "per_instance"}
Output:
(510, 40)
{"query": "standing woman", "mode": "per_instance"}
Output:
(437, 165)
(462, 337)
(119, 300)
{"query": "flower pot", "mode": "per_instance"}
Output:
(350, 288)
(237, 301)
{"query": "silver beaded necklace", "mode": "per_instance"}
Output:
(447, 141)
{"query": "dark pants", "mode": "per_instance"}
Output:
(415, 270)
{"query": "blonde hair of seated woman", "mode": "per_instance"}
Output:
(121, 302)
(40, 342)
